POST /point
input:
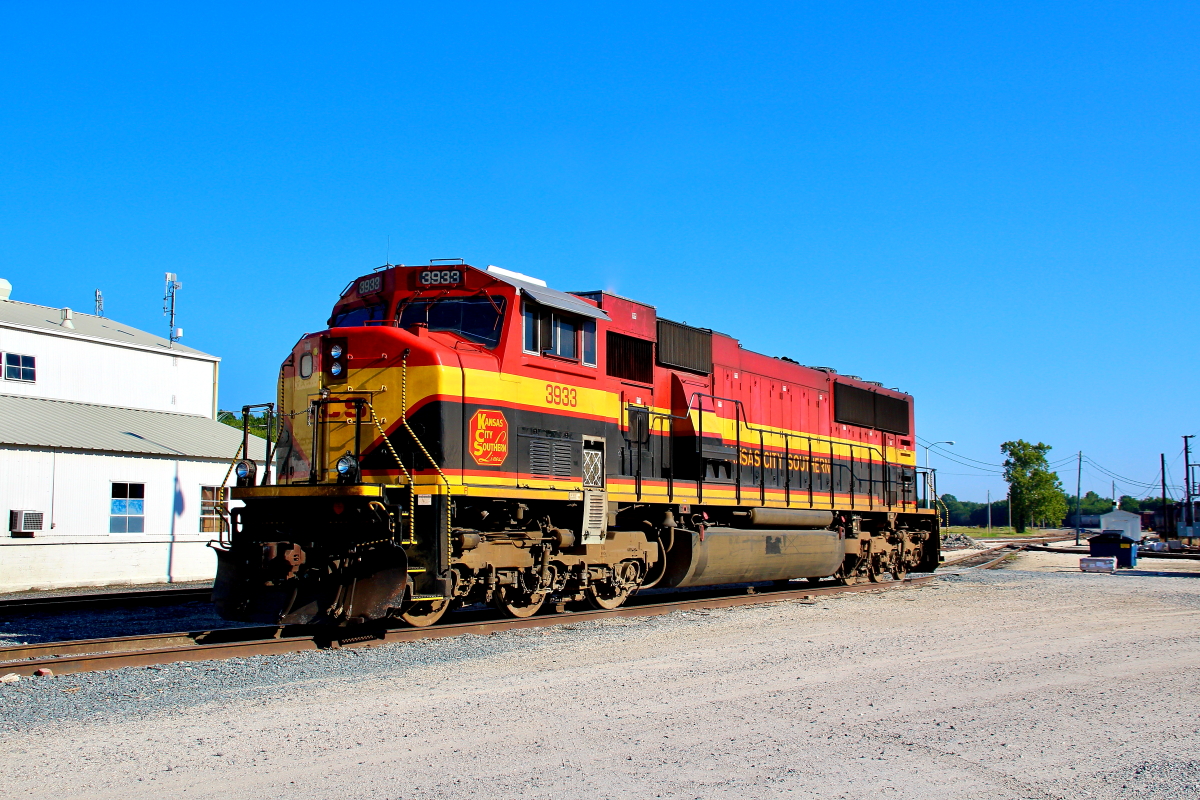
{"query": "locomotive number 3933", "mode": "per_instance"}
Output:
(441, 277)
(561, 395)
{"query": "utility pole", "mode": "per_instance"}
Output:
(1078, 501)
(1116, 505)
(989, 513)
(1162, 466)
(174, 334)
(1187, 484)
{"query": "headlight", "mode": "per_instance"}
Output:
(335, 368)
(347, 469)
(336, 351)
(245, 473)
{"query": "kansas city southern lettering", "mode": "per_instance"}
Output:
(488, 438)
(795, 461)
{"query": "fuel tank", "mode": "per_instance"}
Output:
(730, 555)
(783, 518)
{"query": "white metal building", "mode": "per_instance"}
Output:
(1128, 523)
(110, 453)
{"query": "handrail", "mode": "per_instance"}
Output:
(412, 528)
(420, 444)
(695, 402)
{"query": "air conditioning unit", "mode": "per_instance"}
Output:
(25, 522)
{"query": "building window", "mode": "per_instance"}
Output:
(555, 334)
(19, 368)
(127, 509)
(214, 510)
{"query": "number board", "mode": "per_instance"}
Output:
(440, 277)
(370, 285)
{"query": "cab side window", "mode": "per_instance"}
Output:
(555, 333)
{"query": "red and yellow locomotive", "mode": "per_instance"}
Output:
(460, 435)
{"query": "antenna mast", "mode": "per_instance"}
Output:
(173, 286)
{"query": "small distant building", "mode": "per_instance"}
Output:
(1128, 523)
(111, 457)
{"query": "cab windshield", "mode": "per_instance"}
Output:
(478, 319)
(356, 317)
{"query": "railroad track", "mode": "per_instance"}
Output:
(91, 655)
(82, 602)
(991, 558)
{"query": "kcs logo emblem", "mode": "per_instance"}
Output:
(488, 438)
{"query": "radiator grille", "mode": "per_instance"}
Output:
(629, 358)
(854, 406)
(684, 347)
(551, 459)
(595, 516)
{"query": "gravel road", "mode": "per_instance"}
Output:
(1003, 684)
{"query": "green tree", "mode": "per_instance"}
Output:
(961, 511)
(1131, 504)
(1035, 491)
(257, 423)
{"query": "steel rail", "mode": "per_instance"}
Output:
(149, 597)
(998, 560)
(94, 655)
(990, 559)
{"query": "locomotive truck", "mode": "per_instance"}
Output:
(461, 435)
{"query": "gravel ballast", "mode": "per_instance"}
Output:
(998, 684)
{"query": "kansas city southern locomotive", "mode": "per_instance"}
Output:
(460, 435)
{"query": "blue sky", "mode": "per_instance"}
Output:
(991, 206)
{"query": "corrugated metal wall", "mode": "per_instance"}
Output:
(73, 489)
(106, 374)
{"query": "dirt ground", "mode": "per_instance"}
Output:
(1025, 682)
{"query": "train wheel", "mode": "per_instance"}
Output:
(876, 569)
(861, 574)
(604, 596)
(423, 613)
(519, 604)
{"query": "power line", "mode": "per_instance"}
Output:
(1117, 476)
(970, 466)
(950, 454)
